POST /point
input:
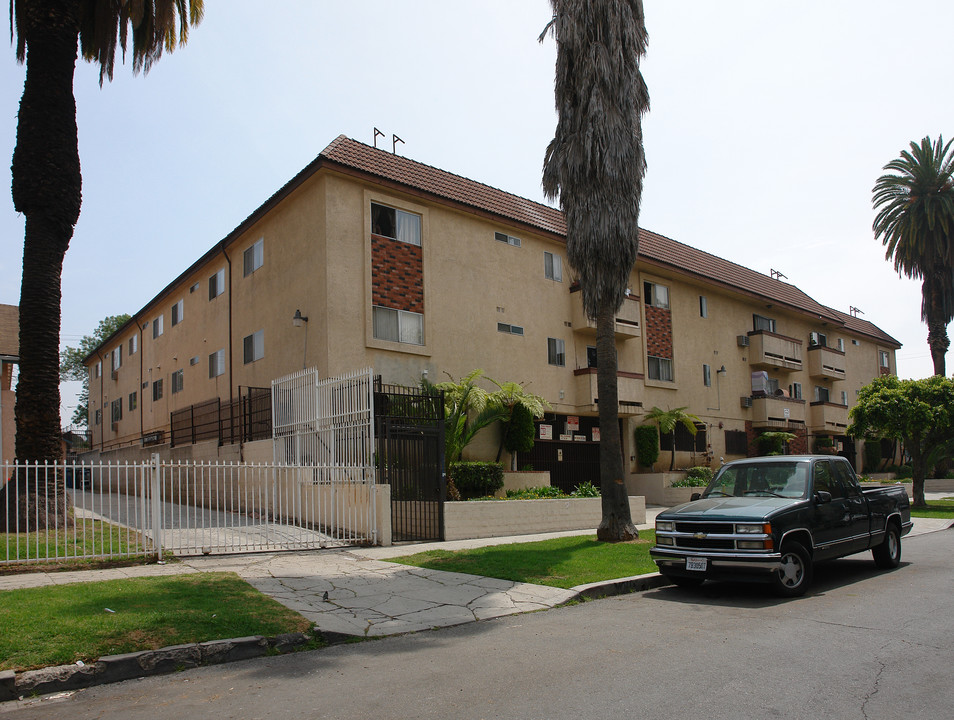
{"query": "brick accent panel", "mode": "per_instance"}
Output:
(397, 274)
(659, 332)
(798, 446)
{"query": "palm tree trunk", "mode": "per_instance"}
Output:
(939, 343)
(617, 523)
(47, 190)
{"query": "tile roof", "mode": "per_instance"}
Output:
(9, 331)
(653, 248)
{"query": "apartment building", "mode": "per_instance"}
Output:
(369, 258)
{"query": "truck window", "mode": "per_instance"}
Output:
(846, 477)
(825, 480)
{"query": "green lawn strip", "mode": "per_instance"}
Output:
(935, 509)
(87, 538)
(559, 562)
(65, 623)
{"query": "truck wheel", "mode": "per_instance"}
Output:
(795, 575)
(887, 555)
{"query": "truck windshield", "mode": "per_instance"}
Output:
(769, 479)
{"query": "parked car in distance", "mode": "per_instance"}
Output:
(769, 519)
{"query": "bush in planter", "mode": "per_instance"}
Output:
(475, 479)
(773, 442)
(586, 490)
(647, 445)
(698, 476)
(545, 492)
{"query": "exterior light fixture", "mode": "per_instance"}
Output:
(298, 318)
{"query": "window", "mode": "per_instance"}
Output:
(703, 306)
(556, 352)
(844, 397)
(177, 381)
(157, 327)
(398, 325)
(98, 417)
(707, 375)
(177, 313)
(217, 363)
(507, 328)
(133, 400)
(117, 358)
(552, 267)
(133, 344)
(508, 239)
(157, 390)
(659, 368)
(684, 440)
(841, 344)
(254, 257)
(821, 394)
(98, 370)
(819, 339)
(116, 410)
(656, 295)
(795, 390)
(194, 360)
(217, 284)
(883, 359)
(736, 442)
(773, 386)
(193, 288)
(395, 224)
(763, 324)
(855, 342)
(590, 356)
(254, 346)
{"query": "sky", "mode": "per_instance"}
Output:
(769, 124)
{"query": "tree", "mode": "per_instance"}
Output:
(520, 408)
(915, 222)
(46, 168)
(595, 164)
(468, 409)
(920, 413)
(72, 367)
(667, 421)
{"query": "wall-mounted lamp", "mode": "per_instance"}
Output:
(721, 370)
(298, 318)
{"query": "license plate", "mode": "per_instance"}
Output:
(699, 564)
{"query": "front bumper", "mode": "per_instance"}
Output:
(718, 565)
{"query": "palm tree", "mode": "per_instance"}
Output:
(668, 420)
(510, 396)
(915, 222)
(46, 169)
(595, 165)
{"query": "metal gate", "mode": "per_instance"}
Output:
(409, 425)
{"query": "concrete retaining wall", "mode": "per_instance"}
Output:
(655, 487)
(492, 518)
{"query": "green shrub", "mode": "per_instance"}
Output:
(700, 472)
(474, 479)
(536, 493)
(519, 432)
(773, 442)
(647, 445)
(872, 454)
(586, 489)
(904, 472)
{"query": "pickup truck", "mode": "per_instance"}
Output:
(769, 519)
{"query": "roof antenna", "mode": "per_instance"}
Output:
(777, 274)
(376, 133)
(394, 141)
(853, 311)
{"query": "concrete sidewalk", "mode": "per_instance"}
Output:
(356, 591)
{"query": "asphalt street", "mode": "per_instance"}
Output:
(862, 644)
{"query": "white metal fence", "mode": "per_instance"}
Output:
(64, 512)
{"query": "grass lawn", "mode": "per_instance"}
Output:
(65, 623)
(559, 562)
(87, 538)
(935, 509)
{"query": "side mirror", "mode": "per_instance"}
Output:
(822, 497)
(694, 497)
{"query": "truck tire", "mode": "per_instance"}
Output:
(887, 555)
(795, 575)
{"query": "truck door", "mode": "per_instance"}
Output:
(832, 519)
(859, 519)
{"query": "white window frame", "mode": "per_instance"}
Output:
(407, 225)
(98, 370)
(217, 363)
(656, 295)
(176, 312)
(157, 327)
(133, 344)
(217, 284)
(253, 347)
(796, 391)
(556, 352)
(393, 325)
(819, 391)
(509, 328)
(552, 266)
(841, 344)
(703, 306)
(844, 397)
(884, 359)
(507, 239)
(658, 368)
(254, 257)
(178, 381)
(760, 320)
(707, 375)
(157, 390)
(116, 356)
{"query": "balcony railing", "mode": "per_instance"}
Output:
(769, 350)
(828, 418)
(826, 362)
(782, 413)
(627, 384)
(627, 318)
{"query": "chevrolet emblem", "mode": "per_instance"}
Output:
(699, 536)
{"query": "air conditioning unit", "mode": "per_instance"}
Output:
(743, 340)
(746, 401)
(115, 374)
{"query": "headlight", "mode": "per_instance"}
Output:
(665, 541)
(665, 526)
(750, 529)
(749, 544)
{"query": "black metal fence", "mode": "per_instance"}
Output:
(409, 435)
(245, 418)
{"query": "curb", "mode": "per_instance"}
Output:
(621, 586)
(116, 668)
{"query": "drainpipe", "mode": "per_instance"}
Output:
(102, 415)
(140, 404)
(228, 262)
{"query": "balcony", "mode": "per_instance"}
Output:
(825, 362)
(777, 412)
(826, 418)
(627, 318)
(628, 385)
(768, 350)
